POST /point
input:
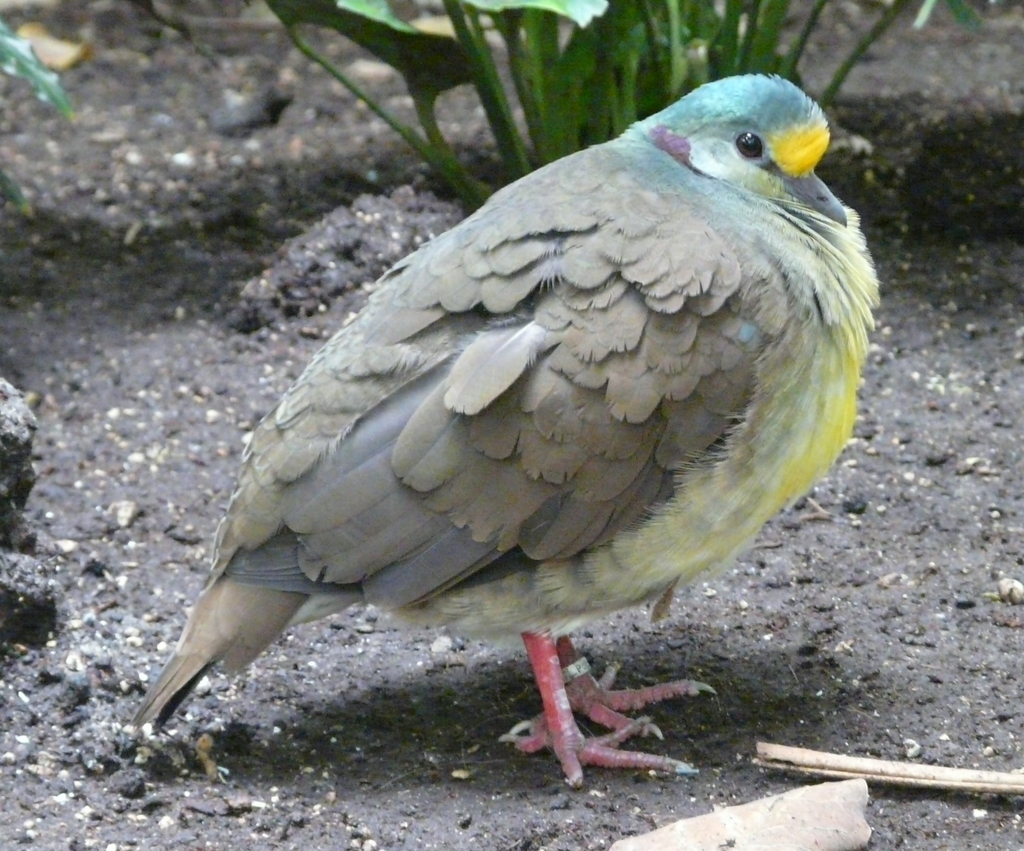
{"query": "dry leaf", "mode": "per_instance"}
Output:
(826, 817)
(434, 25)
(55, 53)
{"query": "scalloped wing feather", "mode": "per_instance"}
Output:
(425, 439)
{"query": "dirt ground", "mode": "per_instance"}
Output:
(877, 632)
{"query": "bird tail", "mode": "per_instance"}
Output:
(230, 623)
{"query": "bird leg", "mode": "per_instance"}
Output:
(566, 685)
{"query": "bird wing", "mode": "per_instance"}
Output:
(536, 378)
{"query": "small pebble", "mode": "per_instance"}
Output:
(125, 512)
(1011, 591)
(855, 505)
(370, 71)
(441, 644)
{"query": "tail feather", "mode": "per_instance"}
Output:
(230, 623)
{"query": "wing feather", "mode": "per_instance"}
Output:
(531, 382)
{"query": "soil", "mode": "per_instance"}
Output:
(878, 631)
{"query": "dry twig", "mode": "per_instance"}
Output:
(917, 775)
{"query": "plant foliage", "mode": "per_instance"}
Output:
(581, 70)
(17, 58)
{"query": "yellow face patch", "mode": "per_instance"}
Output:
(797, 151)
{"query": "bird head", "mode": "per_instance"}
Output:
(758, 132)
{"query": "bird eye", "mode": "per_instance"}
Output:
(750, 145)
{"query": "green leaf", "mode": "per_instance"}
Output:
(375, 10)
(16, 57)
(581, 12)
(429, 63)
(962, 14)
(9, 190)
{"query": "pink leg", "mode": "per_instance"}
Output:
(557, 728)
(564, 736)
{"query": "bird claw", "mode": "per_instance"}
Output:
(642, 726)
(604, 752)
(684, 769)
(528, 736)
(522, 730)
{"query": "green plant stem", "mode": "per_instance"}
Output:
(468, 31)
(472, 191)
(554, 135)
(434, 150)
(749, 37)
(728, 52)
(872, 35)
(677, 56)
(796, 50)
(702, 56)
(771, 19)
(536, 83)
(924, 13)
(511, 28)
(662, 64)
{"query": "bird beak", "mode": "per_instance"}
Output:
(812, 191)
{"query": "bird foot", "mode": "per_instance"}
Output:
(566, 685)
(603, 705)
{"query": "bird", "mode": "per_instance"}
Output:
(597, 387)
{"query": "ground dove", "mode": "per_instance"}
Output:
(598, 386)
